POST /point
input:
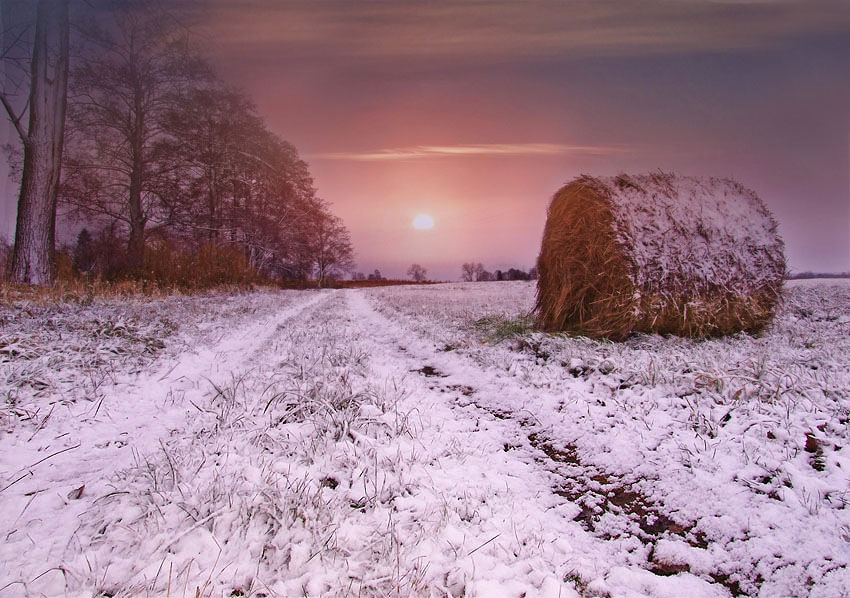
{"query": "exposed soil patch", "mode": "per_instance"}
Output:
(430, 372)
(466, 391)
(598, 493)
(601, 493)
(665, 568)
(815, 450)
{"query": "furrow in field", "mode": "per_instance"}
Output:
(624, 563)
(711, 478)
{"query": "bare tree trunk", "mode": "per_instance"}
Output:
(212, 211)
(136, 245)
(8, 207)
(33, 261)
(136, 240)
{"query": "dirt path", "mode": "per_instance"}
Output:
(328, 450)
(73, 457)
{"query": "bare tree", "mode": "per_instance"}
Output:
(331, 245)
(417, 272)
(474, 271)
(467, 272)
(515, 274)
(480, 272)
(214, 143)
(136, 67)
(236, 182)
(33, 259)
(280, 218)
(161, 146)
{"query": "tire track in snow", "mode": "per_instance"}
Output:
(466, 387)
(323, 473)
(67, 474)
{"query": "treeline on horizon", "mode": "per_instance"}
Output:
(470, 272)
(476, 272)
(807, 275)
(172, 173)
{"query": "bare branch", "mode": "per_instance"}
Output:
(16, 120)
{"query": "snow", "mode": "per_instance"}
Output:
(686, 232)
(418, 441)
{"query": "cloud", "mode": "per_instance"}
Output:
(470, 150)
(501, 30)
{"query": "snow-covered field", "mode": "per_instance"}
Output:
(418, 441)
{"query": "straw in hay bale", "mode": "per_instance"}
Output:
(658, 253)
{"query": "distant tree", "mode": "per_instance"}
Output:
(110, 253)
(376, 275)
(479, 270)
(34, 256)
(810, 274)
(100, 252)
(330, 246)
(467, 272)
(515, 274)
(510, 274)
(358, 276)
(474, 271)
(417, 272)
(85, 252)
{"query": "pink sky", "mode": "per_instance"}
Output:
(476, 112)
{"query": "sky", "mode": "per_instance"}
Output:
(477, 112)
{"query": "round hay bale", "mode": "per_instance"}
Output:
(658, 253)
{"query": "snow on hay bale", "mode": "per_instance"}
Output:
(658, 253)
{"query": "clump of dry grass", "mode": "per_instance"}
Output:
(658, 253)
(206, 266)
(166, 271)
(77, 290)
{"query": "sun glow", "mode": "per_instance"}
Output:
(423, 221)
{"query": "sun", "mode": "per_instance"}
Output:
(423, 222)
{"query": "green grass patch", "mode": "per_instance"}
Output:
(498, 328)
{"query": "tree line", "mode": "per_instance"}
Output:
(476, 272)
(129, 129)
(470, 272)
